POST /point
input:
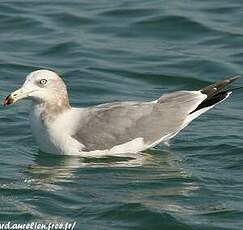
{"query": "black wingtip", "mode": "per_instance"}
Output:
(232, 79)
(212, 100)
(216, 92)
(218, 86)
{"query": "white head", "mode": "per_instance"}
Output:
(42, 86)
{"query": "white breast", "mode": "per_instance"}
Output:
(54, 136)
(42, 133)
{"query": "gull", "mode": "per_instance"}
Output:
(111, 128)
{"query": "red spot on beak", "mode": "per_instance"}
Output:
(8, 100)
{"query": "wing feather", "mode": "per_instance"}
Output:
(103, 127)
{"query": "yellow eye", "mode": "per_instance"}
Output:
(43, 81)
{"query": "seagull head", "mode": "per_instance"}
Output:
(41, 86)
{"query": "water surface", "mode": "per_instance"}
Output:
(125, 50)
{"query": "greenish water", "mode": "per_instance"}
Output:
(125, 50)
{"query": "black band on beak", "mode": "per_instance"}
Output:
(8, 100)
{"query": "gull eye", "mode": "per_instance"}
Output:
(43, 81)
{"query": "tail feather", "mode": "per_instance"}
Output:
(215, 93)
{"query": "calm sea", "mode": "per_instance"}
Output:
(111, 50)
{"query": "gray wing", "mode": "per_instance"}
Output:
(108, 125)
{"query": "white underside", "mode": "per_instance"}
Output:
(56, 137)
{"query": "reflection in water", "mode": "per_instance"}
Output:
(58, 163)
(158, 179)
(49, 171)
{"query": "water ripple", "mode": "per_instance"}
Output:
(114, 51)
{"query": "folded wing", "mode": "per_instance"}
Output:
(109, 125)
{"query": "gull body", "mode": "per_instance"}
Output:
(112, 128)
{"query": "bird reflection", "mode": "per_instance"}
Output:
(154, 175)
(48, 169)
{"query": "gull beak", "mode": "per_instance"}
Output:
(15, 96)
